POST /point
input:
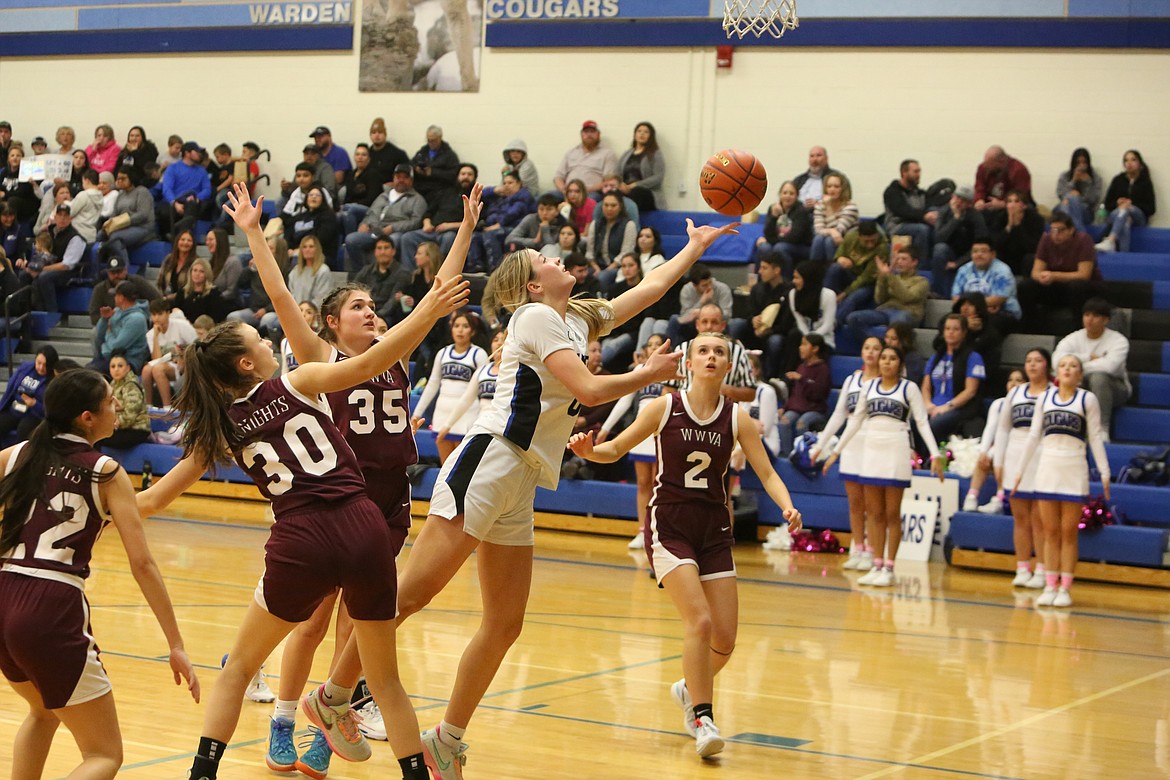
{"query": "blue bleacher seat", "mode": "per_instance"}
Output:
(1153, 389)
(41, 322)
(1148, 239)
(675, 222)
(1122, 545)
(841, 366)
(152, 254)
(74, 300)
(1138, 424)
(1134, 266)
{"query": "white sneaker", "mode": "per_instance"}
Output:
(1106, 244)
(637, 543)
(339, 724)
(682, 697)
(1047, 598)
(854, 559)
(864, 561)
(883, 579)
(1022, 578)
(707, 739)
(444, 763)
(994, 506)
(970, 503)
(869, 577)
(371, 723)
(258, 690)
(1037, 581)
(1063, 598)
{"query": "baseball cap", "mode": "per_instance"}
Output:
(965, 192)
(312, 148)
(589, 125)
(114, 263)
(63, 208)
(191, 146)
(404, 168)
(320, 130)
(40, 139)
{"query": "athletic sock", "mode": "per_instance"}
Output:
(450, 735)
(1066, 579)
(1023, 566)
(285, 709)
(999, 494)
(207, 757)
(414, 768)
(1050, 578)
(706, 710)
(1040, 568)
(973, 492)
(334, 695)
(877, 563)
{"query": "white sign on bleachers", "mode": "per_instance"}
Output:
(919, 518)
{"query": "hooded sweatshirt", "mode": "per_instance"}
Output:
(526, 168)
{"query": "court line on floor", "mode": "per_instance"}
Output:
(1026, 722)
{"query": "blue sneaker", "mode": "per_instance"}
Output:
(314, 762)
(282, 756)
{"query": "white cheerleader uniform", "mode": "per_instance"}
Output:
(850, 463)
(765, 408)
(885, 459)
(1015, 422)
(481, 388)
(1060, 429)
(449, 378)
(643, 450)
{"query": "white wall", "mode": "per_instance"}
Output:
(869, 108)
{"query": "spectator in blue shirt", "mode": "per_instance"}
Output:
(333, 154)
(23, 405)
(504, 207)
(948, 406)
(187, 188)
(993, 277)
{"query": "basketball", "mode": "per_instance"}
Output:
(733, 182)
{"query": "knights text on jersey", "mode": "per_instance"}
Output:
(693, 454)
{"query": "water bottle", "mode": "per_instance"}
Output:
(1101, 216)
(147, 474)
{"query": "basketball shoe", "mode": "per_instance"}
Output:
(1062, 599)
(282, 756)
(258, 690)
(444, 762)
(314, 762)
(1021, 579)
(338, 724)
(708, 742)
(682, 697)
(1047, 598)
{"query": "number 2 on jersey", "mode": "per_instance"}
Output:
(394, 418)
(692, 479)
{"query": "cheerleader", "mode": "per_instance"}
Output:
(482, 387)
(885, 406)
(1014, 426)
(454, 366)
(1065, 416)
(988, 461)
(689, 537)
(860, 554)
(764, 409)
(641, 453)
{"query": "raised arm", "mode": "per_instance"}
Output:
(306, 345)
(753, 449)
(593, 390)
(645, 424)
(118, 495)
(632, 302)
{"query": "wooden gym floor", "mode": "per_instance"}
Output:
(948, 675)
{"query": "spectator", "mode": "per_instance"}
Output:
(14, 192)
(995, 177)
(23, 405)
(504, 207)
(385, 157)
(133, 223)
(316, 219)
(957, 228)
(177, 265)
(199, 295)
(15, 237)
(65, 138)
(259, 313)
(947, 406)
(643, 169)
(900, 335)
(362, 185)
(899, 291)
(650, 249)
(172, 154)
(68, 249)
(123, 331)
(385, 277)
(1064, 275)
(103, 156)
(109, 195)
(331, 153)
(617, 349)
(60, 193)
(137, 152)
(1017, 240)
(587, 162)
(172, 332)
(788, 231)
(443, 216)
(5, 137)
(834, 215)
(610, 237)
(767, 302)
(982, 334)
(426, 262)
(1130, 201)
(854, 273)
(310, 279)
(101, 302)
(86, 206)
(586, 284)
(323, 173)
(740, 385)
(39, 145)
(186, 187)
(991, 277)
(80, 166)
(540, 229)
(764, 409)
(304, 179)
(1079, 189)
(578, 207)
(568, 242)
(611, 182)
(810, 183)
(225, 266)
(1103, 353)
(133, 426)
(702, 289)
(398, 210)
(222, 176)
(807, 405)
(436, 167)
(907, 212)
(813, 309)
(516, 159)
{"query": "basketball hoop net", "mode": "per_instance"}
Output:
(757, 17)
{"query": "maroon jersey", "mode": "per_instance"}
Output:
(296, 455)
(375, 418)
(58, 537)
(693, 454)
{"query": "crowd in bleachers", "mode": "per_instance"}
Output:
(823, 276)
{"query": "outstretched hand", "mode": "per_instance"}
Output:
(239, 207)
(446, 296)
(662, 365)
(582, 444)
(706, 234)
(472, 205)
(183, 670)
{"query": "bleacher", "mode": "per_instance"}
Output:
(1135, 550)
